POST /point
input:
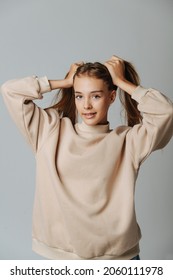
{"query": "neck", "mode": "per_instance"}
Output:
(93, 129)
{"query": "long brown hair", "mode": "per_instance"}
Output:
(66, 98)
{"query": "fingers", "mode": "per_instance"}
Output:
(116, 67)
(72, 71)
(116, 58)
(75, 65)
(79, 63)
(116, 63)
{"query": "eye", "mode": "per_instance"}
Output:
(78, 97)
(96, 96)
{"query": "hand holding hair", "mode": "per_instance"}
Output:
(71, 73)
(67, 82)
(116, 67)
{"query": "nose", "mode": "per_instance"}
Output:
(87, 105)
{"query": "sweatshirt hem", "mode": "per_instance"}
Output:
(60, 254)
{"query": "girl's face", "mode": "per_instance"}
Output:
(92, 99)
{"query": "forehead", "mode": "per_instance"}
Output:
(85, 83)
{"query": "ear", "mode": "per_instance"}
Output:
(112, 96)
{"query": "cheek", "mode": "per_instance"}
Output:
(105, 105)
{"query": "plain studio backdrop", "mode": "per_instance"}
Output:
(43, 37)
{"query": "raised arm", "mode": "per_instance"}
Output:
(35, 123)
(32, 121)
(156, 128)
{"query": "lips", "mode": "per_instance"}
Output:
(89, 115)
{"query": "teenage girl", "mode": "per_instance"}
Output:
(86, 172)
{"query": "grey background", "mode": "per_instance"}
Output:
(44, 38)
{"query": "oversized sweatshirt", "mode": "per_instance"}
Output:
(85, 175)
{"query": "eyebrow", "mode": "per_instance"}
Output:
(93, 91)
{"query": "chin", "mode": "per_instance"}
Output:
(94, 122)
(90, 122)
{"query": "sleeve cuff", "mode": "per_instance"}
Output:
(138, 93)
(43, 84)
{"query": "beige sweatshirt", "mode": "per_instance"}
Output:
(85, 180)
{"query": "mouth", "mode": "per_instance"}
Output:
(89, 115)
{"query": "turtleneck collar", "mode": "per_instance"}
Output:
(94, 129)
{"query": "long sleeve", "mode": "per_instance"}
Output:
(156, 128)
(35, 123)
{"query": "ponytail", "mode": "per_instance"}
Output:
(65, 101)
(65, 104)
(132, 114)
